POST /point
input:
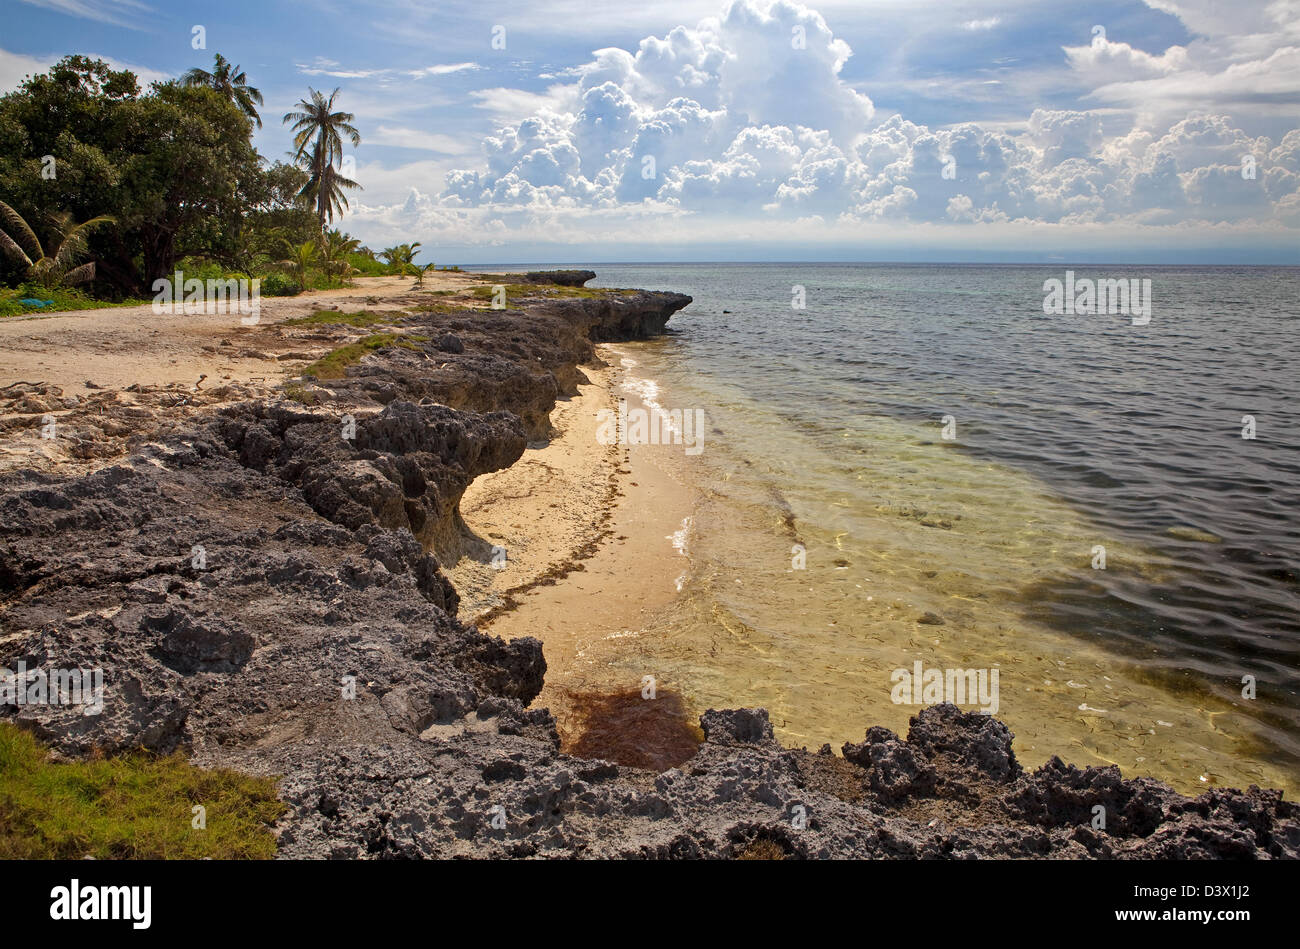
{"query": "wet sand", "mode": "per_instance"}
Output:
(591, 532)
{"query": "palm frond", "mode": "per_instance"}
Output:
(11, 248)
(21, 231)
(80, 274)
(75, 240)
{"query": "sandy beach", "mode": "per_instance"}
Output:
(586, 530)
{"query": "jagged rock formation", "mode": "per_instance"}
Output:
(564, 278)
(260, 590)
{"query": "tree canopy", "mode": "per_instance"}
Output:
(173, 166)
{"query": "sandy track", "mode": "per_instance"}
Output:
(124, 346)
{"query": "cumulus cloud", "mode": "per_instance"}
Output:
(747, 117)
(1242, 55)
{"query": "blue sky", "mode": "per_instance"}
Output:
(893, 129)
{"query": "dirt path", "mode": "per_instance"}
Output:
(119, 347)
(82, 387)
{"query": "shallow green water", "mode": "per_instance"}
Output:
(826, 430)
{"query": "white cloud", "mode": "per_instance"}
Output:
(128, 13)
(744, 120)
(15, 67)
(322, 66)
(515, 105)
(443, 69)
(416, 138)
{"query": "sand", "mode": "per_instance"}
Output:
(588, 532)
(117, 347)
(111, 376)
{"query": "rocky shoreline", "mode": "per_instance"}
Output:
(260, 590)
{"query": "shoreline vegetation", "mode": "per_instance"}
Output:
(206, 205)
(317, 642)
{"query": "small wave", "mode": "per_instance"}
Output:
(681, 538)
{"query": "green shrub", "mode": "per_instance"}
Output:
(334, 365)
(65, 298)
(367, 266)
(279, 285)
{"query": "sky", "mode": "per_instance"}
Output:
(1159, 131)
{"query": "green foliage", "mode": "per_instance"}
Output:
(65, 298)
(230, 83)
(318, 139)
(59, 268)
(366, 265)
(334, 365)
(136, 806)
(278, 285)
(335, 248)
(299, 261)
(174, 166)
(401, 259)
(335, 318)
(296, 392)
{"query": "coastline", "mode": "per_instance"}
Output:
(323, 567)
(588, 530)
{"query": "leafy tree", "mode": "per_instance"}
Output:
(174, 167)
(21, 244)
(230, 83)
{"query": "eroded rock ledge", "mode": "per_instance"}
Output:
(234, 579)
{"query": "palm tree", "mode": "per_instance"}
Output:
(402, 256)
(19, 241)
(334, 249)
(231, 83)
(299, 260)
(318, 137)
(420, 272)
(326, 190)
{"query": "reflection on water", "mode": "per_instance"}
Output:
(838, 535)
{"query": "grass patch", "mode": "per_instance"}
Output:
(334, 365)
(65, 298)
(428, 309)
(361, 318)
(296, 392)
(136, 806)
(514, 290)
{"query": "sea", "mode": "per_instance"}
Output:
(921, 482)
